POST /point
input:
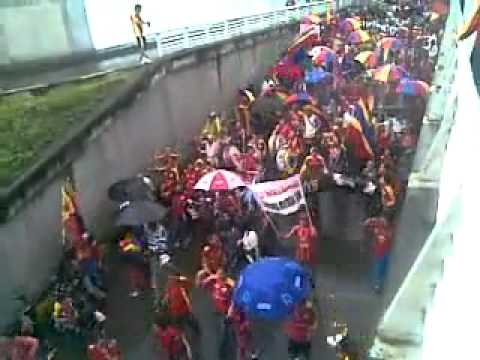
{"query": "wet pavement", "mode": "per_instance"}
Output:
(343, 291)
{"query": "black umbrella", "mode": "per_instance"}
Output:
(132, 189)
(140, 212)
(266, 106)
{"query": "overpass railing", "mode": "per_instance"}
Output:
(189, 37)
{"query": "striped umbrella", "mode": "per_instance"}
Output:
(358, 37)
(322, 55)
(390, 43)
(389, 73)
(411, 87)
(367, 59)
(350, 24)
(312, 19)
(308, 35)
(219, 180)
(299, 98)
(317, 76)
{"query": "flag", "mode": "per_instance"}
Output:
(357, 139)
(283, 197)
(472, 25)
(69, 207)
(363, 113)
(72, 222)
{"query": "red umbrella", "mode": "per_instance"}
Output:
(219, 180)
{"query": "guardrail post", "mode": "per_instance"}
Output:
(158, 40)
(186, 38)
(225, 30)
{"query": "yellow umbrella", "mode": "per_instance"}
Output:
(389, 73)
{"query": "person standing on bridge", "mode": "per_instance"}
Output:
(137, 23)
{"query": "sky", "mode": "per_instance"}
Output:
(110, 24)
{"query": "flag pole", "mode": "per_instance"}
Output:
(306, 202)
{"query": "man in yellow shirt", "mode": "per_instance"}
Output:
(137, 23)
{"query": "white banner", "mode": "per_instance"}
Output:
(280, 197)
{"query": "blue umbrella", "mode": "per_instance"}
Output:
(270, 288)
(317, 76)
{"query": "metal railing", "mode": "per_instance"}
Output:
(189, 37)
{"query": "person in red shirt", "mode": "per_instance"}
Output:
(172, 339)
(306, 235)
(381, 249)
(178, 301)
(104, 350)
(250, 165)
(221, 291)
(243, 331)
(300, 329)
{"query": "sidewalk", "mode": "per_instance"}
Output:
(66, 73)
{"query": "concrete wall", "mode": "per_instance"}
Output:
(38, 29)
(170, 112)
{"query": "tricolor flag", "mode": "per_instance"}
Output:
(363, 112)
(357, 139)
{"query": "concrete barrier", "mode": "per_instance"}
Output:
(181, 90)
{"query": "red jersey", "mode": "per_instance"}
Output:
(222, 295)
(212, 257)
(97, 352)
(171, 339)
(178, 300)
(286, 131)
(305, 234)
(300, 327)
(179, 205)
(381, 248)
(24, 348)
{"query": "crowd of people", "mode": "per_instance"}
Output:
(331, 110)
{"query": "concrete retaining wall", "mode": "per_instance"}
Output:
(169, 112)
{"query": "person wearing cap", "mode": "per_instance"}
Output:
(300, 329)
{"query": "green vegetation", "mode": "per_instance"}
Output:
(30, 123)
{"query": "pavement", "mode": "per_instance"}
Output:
(62, 74)
(343, 291)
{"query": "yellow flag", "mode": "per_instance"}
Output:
(472, 25)
(68, 203)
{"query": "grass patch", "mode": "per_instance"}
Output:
(29, 124)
